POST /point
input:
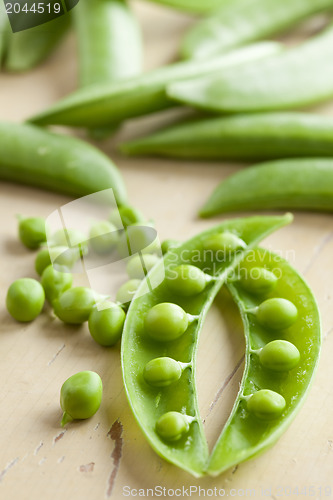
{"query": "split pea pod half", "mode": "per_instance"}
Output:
(238, 22)
(33, 156)
(300, 76)
(301, 184)
(279, 363)
(103, 104)
(257, 136)
(161, 333)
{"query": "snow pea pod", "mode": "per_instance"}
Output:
(285, 371)
(30, 155)
(154, 328)
(104, 104)
(109, 41)
(26, 49)
(257, 136)
(287, 184)
(298, 77)
(237, 22)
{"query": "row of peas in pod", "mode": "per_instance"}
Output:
(81, 394)
(160, 341)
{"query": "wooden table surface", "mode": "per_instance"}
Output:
(107, 455)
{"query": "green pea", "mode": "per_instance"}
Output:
(25, 299)
(42, 260)
(226, 242)
(172, 426)
(103, 237)
(167, 245)
(75, 305)
(161, 372)
(126, 216)
(279, 355)
(80, 396)
(106, 323)
(166, 321)
(186, 280)
(276, 314)
(127, 291)
(258, 280)
(70, 238)
(32, 232)
(140, 265)
(266, 404)
(138, 238)
(55, 283)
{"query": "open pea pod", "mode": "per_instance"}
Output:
(279, 362)
(300, 76)
(237, 22)
(161, 333)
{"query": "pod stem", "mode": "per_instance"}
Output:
(192, 317)
(184, 365)
(66, 419)
(252, 310)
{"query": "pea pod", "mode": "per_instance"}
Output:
(169, 417)
(27, 48)
(299, 77)
(104, 104)
(109, 41)
(288, 184)
(241, 137)
(30, 155)
(238, 22)
(269, 399)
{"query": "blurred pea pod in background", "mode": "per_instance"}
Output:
(237, 22)
(109, 46)
(24, 50)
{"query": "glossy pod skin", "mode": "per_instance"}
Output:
(30, 155)
(109, 41)
(287, 184)
(287, 370)
(106, 104)
(257, 136)
(241, 89)
(148, 402)
(238, 22)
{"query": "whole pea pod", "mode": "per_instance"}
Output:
(23, 50)
(106, 104)
(33, 156)
(301, 184)
(109, 41)
(161, 333)
(283, 339)
(28, 48)
(238, 22)
(298, 77)
(257, 136)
